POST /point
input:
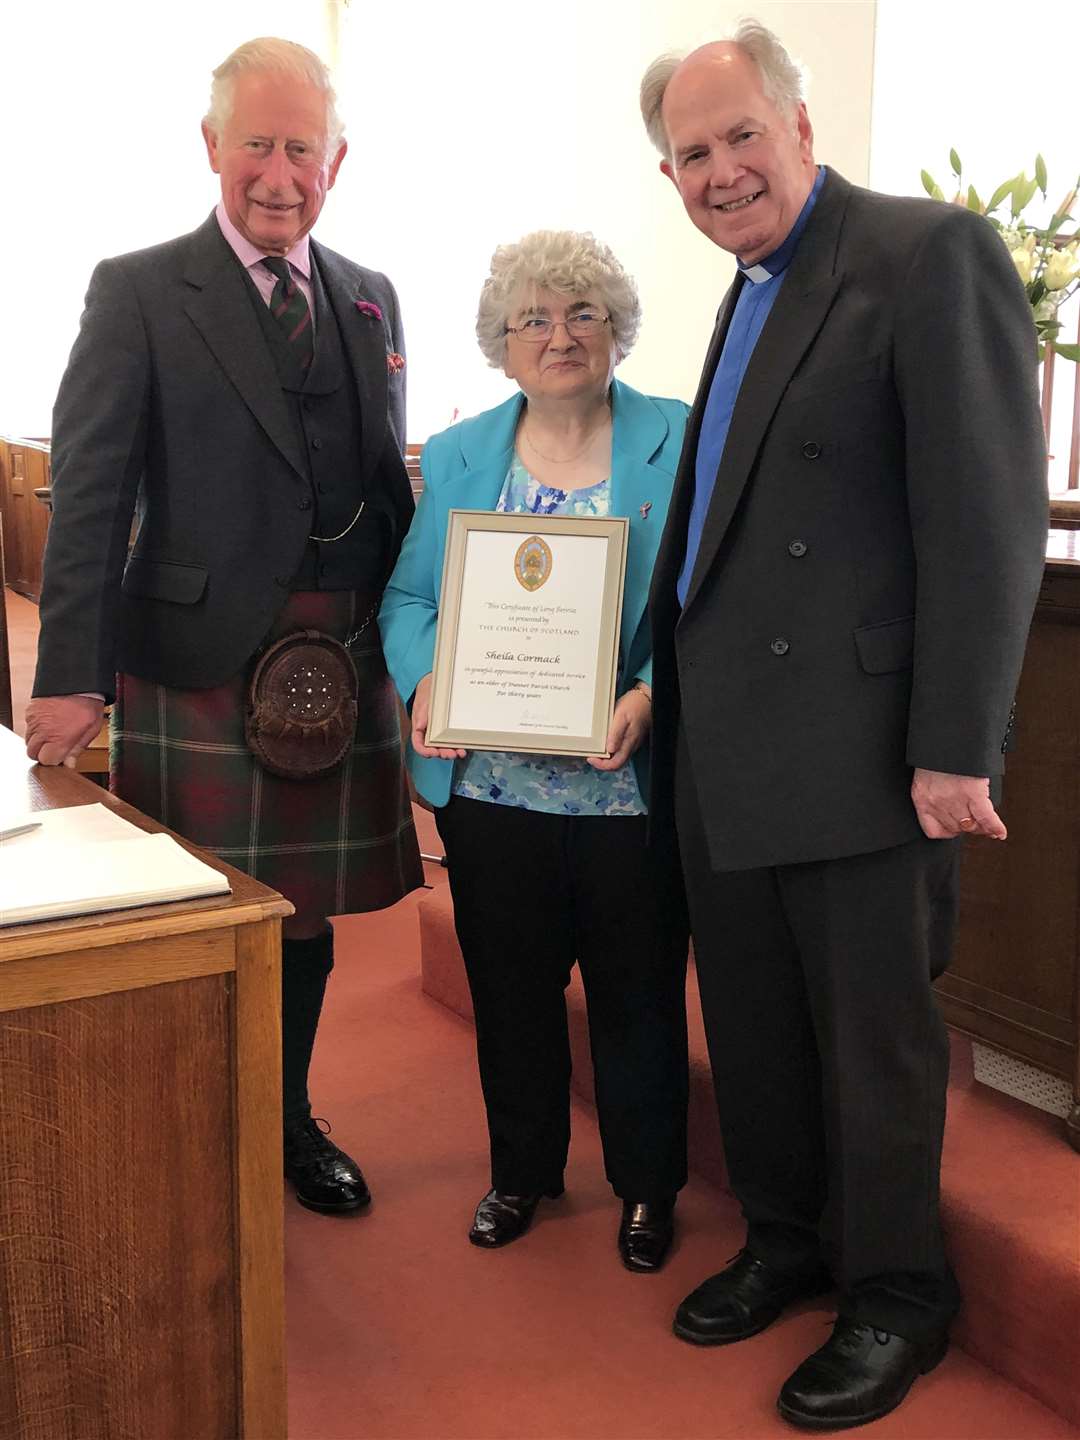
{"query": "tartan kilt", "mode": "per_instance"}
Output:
(333, 845)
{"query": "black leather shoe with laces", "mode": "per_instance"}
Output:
(645, 1235)
(858, 1375)
(743, 1299)
(501, 1218)
(324, 1177)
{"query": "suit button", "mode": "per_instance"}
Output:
(779, 646)
(316, 444)
(303, 503)
(811, 449)
(797, 548)
(324, 488)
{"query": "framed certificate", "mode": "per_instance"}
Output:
(527, 644)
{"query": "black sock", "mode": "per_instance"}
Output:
(305, 966)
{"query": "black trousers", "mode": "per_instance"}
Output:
(533, 893)
(830, 1061)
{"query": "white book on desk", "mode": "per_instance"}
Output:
(86, 859)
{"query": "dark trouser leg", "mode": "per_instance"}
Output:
(873, 931)
(508, 877)
(762, 1047)
(305, 967)
(630, 928)
(824, 969)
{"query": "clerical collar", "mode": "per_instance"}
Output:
(778, 261)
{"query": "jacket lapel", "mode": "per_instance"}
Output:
(220, 308)
(365, 341)
(805, 299)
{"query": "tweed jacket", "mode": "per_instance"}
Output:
(171, 411)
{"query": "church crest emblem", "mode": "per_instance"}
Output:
(532, 563)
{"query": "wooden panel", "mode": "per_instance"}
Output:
(260, 1180)
(1015, 978)
(117, 1231)
(48, 980)
(6, 717)
(25, 466)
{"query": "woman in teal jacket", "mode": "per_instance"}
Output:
(548, 856)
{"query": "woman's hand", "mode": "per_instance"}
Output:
(421, 713)
(629, 727)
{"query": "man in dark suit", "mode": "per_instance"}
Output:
(239, 392)
(840, 608)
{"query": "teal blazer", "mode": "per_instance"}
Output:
(464, 469)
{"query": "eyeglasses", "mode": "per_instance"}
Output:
(537, 329)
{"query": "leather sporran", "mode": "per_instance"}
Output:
(300, 719)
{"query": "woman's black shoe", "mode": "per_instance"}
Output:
(645, 1234)
(499, 1218)
(324, 1177)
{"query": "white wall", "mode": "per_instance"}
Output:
(449, 156)
(453, 154)
(977, 78)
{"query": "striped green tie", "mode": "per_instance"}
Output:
(290, 310)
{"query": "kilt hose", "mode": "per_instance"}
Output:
(335, 845)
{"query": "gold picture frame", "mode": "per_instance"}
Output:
(527, 639)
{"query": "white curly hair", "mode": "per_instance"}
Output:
(569, 262)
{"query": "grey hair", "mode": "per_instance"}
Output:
(566, 261)
(783, 79)
(269, 55)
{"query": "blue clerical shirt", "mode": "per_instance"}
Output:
(761, 285)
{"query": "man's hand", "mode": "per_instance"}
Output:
(949, 805)
(59, 727)
(629, 727)
(421, 714)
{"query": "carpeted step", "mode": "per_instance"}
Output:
(1010, 1190)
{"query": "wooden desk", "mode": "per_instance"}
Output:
(141, 1252)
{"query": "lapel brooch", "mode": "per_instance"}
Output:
(369, 308)
(645, 509)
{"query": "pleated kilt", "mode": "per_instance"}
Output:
(333, 846)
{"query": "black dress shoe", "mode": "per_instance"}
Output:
(324, 1177)
(500, 1218)
(858, 1375)
(645, 1235)
(743, 1299)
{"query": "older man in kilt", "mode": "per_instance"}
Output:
(239, 391)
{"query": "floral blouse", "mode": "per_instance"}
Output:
(556, 784)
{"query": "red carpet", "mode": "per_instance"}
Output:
(400, 1330)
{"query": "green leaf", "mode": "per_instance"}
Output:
(973, 201)
(929, 184)
(1027, 193)
(1068, 352)
(954, 161)
(999, 194)
(1037, 292)
(1040, 174)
